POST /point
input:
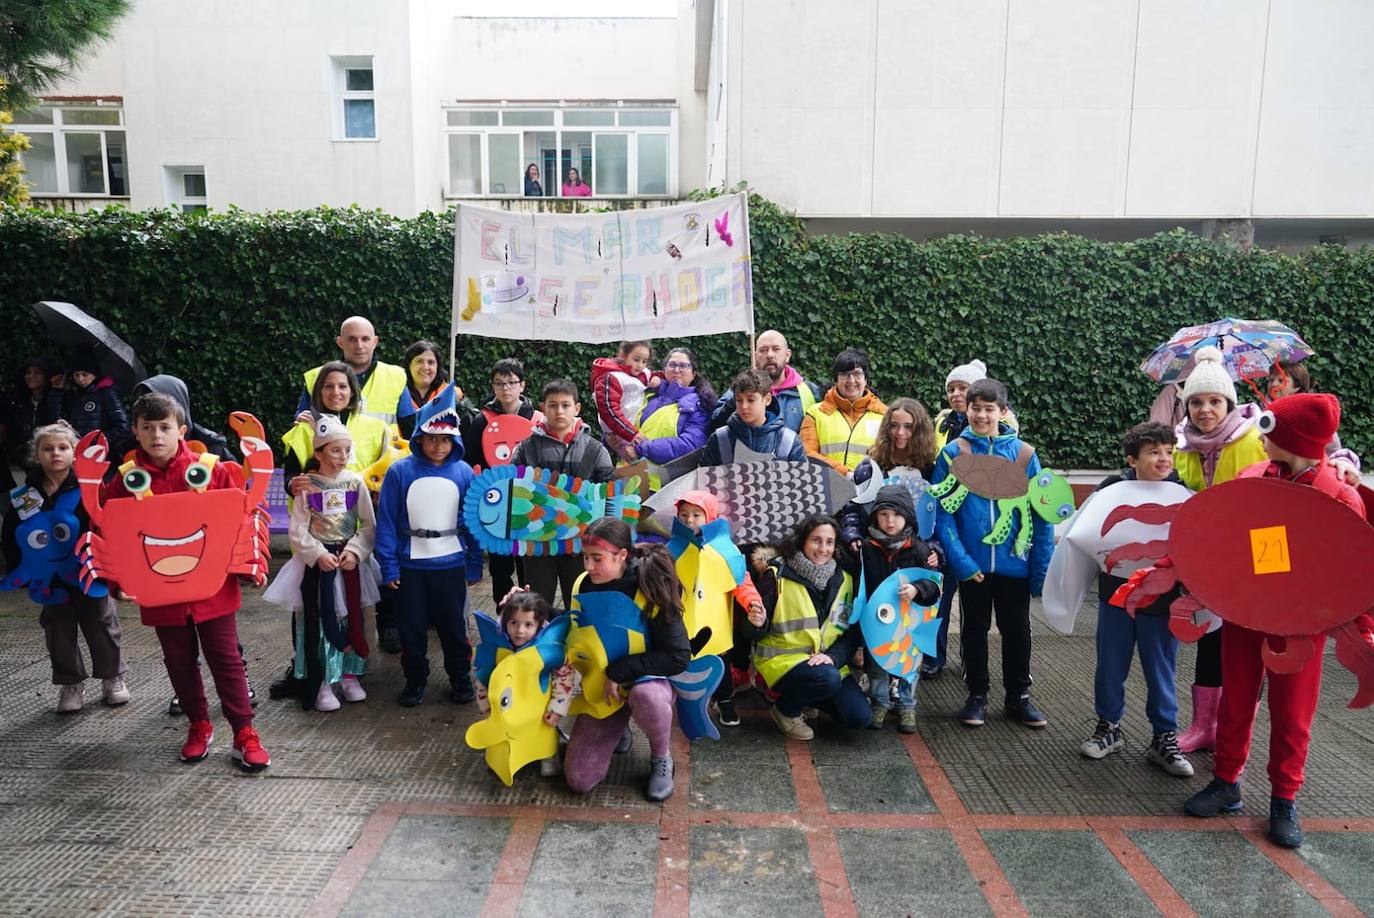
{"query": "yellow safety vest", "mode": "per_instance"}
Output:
(662, 423)
(838, 441)
(1234, 456)
(380, 394)
(795, 631)
(369, 440)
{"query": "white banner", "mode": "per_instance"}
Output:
(623, 275)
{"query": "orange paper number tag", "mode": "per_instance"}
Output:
(1269, 550)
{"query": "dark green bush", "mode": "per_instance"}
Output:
(240, 303)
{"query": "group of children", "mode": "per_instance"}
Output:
(791, 627)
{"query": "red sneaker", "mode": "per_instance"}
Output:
(198, 740)
(249, 752)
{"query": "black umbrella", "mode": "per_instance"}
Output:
(71, 328)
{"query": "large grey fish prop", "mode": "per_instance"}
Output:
(763, 500)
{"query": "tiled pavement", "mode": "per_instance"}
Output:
(379, 810)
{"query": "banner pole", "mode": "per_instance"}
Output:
(751, 341)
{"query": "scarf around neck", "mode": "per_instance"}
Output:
(890, 542)
(817, 575)
(1209, 446)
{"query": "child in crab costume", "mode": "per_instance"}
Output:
(327, 583)
(1296, 430)
(164, 464)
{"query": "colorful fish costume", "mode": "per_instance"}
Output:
(763, 501)
(520, 510)
(519, 685)
(897, 631)
(47, 546)
(710, 567)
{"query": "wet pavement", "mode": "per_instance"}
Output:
(376, 809)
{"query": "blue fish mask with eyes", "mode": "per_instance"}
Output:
(47, 546)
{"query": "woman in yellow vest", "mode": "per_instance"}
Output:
(840, 428)
(335, 392)
(675, 419)
(802, 591)
(1217, 440)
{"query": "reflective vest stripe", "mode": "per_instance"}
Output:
(797, 624)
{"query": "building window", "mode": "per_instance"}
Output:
(185, 188)
(356, 114)
(615, 151)
(74, 152)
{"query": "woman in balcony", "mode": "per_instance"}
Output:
(574, 187)
(532, 187)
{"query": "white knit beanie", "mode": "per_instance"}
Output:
(329, 428)
(968, 373)
(1209, 376)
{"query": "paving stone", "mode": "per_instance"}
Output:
(1222, 874)
(441, 849)
(1343, 860)
(751, 872)
(863, 788)
(1066, 873)
(592, 869)
(881, 865)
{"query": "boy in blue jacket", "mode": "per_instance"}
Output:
(752, 425)
(992, 579)
(425, 552)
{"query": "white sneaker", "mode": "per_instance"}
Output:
(116, 692)
(352, 689)
(71, 698)
(549, 767)
(325, 699)
(791, 727)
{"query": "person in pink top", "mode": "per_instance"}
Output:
(574, 187)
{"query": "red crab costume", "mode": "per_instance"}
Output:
(1260, 552)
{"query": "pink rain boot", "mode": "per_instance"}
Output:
(1202, 735)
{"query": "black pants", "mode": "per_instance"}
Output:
(551, 574)
(1009, 599)
(433, 597)
(736, 657)
(1208, 673)
(506, 571)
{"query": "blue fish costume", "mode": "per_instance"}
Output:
(47, 544)
(897, 631)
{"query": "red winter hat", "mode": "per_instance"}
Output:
(1303, 423)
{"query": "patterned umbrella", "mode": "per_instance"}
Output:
(1248, 346)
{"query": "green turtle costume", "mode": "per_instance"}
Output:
(1003, 480)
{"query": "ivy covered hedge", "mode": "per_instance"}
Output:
(240, 303)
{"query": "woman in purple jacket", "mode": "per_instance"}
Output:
(674, 420)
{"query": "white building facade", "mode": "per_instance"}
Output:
(1114, 118)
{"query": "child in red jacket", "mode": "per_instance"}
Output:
(1299, 427)
(619, 385)
(207, 627)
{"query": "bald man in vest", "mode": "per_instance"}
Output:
(793, 396)
(382, 383)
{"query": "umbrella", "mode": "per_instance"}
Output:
(71, 328)
(1248, 348)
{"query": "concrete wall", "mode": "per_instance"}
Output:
(1054, 108)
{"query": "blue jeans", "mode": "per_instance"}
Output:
(821, 687)
(880, 687)
(950, 590)
(1118, 637)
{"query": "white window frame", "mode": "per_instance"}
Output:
(558, 129)
(59, 129)
(340, 65)
(174, 177)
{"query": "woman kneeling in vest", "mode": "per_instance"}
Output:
(803, 636)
